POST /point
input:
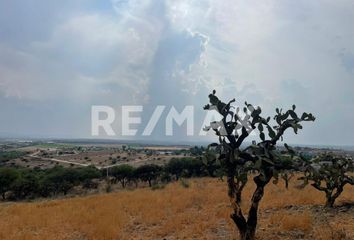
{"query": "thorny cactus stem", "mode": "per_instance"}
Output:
(262, 157)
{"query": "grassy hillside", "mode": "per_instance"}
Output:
(200, 211)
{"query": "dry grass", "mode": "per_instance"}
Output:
(294, 221)
(198, 212)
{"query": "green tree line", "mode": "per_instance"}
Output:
(24, 183)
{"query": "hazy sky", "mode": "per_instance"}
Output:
(57, 58)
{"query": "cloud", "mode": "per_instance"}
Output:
(175, 52)
(87, 50)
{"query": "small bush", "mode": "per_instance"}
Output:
(157, 186)
(184, 183)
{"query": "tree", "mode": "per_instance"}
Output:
(122, 174)
(261, 157)
(288, 174)
(329, 174)
(7, 177)
(86, 176)
(88, 173)
(211, 164)
(196, 151)
(26, 185)
(194, 167)
(59, 180)
(186, 167)
(148, 173)
(175, 167)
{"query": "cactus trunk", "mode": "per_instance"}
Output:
(247, 228)
(249, 234)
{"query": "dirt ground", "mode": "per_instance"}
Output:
(102, 156)
(198, 209)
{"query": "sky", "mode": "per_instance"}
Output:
(58, 58)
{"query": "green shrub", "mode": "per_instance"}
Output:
(7, 177)
(8, 155)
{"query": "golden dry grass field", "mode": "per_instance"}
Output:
(200, 211)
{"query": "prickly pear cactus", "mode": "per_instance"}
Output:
(261, 158)
(329, 173)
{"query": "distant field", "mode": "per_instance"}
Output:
(167, 148)
(200, 211)
(47, 155)
(9, 155)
